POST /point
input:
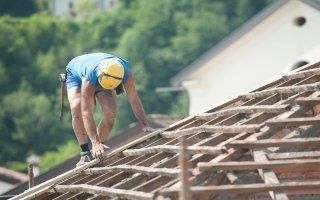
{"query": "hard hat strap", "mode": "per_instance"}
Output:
(115, 77)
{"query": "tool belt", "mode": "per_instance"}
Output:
(62, 79)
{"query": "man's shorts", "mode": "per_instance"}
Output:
(72, 81)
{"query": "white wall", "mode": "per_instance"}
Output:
(258, 57)
(61, 7)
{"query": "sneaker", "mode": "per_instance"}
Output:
(85, 158)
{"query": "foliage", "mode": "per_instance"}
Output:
(159, 38)
(18, 166)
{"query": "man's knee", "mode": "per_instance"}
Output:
(76, 113)
(109, 121)
(109, 115)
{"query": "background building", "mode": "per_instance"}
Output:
(282, 37)
(67, 8)
(10, 179)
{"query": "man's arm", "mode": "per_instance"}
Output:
(135, 103)
(87, 105)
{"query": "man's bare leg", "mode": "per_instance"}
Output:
(74, 97)
(108, 105)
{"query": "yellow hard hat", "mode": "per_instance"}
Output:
(110, 74)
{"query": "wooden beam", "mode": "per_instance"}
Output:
(293, 122)
(185, 193)
(282, 90)
(293, 155)
(174, 149)
(103, 191)
(310, 101)
(298, 142)
(212, 129)
(249, 188)
(250, 165)
(268, 176)
(302, 74)
(245, 109)
(134, 169)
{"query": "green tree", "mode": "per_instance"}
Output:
(159, 38)
(31, 124)
(20, 8)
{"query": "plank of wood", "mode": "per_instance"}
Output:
(293, 122)
(293, 155)
(268, 176)
(306, 142)
(282, 90)
(302, 74)
(212, 129)
(307, 101)
(245, 109)
(103, 191)
(298, 187)
(174, 149)
(250, 165)
(185, 193)
(134, 169)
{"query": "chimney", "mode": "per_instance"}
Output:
(34, 160)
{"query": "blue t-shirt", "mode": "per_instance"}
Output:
(86, 66)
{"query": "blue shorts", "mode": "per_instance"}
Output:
(72, 81)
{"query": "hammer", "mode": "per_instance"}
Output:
(62, 79)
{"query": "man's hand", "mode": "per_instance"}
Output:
(148, 129)
(98, 149)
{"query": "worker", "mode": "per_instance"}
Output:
(99, 76)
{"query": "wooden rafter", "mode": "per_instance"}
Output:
(249, 188)
(134, 169)
(302, 74)
(103, 191)
(212, 129)
(268, 176)
(293, 155)
(245, 109)
(251, 165)
(174, 149)
(185, 193)
(282, 90)
(298, 142)
(308, 101)
(293, 122)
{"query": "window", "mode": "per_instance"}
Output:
(299, 64)
(299, 21)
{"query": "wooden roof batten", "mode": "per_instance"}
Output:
(247, 148)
